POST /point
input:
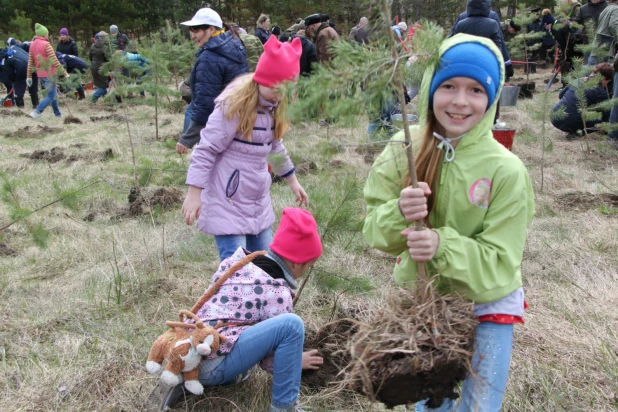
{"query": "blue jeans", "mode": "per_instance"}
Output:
(188, 113)
(51, 98)
(227, 244)
(613, 115)
(284, 335)
(100, 92)
(491, 362)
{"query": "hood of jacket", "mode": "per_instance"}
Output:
(478, 8)
(99, 46)
(224, 45)
(482, 129)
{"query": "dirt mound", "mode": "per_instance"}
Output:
(369, 152)
(57, 154)
(31, 131)
(329, 340)
(5, 250)
(164, 138)
(13, 113)
(586, 201)
(306, 168)
(114, 117)
(141, 204)
(54, 155)
(72, 119)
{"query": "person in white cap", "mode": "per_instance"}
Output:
(220, 58)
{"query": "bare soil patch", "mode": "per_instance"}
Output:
(5, 250)
(142, 204)
(113, 117)
(585, 201)
(306, 168)
(13, 113)
(72, 120)
(58, 154)
(31, 131)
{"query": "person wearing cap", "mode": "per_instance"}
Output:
(322, 35)
(262, 28)
(100, 54)
(119, 40)
(67, 45)
(42, 59)
(221, 57)
(228, 178)
(400, 29)
(260, 293)
(476, 201)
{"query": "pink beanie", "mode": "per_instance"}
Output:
(279, 62)
(297, 238)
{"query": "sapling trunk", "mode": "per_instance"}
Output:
(398, 78)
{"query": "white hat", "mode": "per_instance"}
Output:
(403, 26)
(205, 16)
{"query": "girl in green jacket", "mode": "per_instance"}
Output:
(476, 200)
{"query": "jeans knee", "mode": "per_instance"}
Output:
(293, 323)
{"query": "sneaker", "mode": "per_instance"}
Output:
(164, 397)
(35, 115)
(293, 408)
(58, 115)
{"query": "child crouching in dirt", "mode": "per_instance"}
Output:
(476, 200)
(229, 182)
(256, 305)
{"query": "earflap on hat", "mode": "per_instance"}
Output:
(280, 62)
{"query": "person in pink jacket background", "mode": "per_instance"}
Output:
(229, 182)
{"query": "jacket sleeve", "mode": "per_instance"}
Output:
(209, 83)
(613, 25)
(312, 57)
(384, 221)
(215, 138)
(596, 95)
(74, 50)
(280, 160)
(479, 263)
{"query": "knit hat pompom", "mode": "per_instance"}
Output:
(40, 30)
(473, 60)
(297, 238)
(280, 62)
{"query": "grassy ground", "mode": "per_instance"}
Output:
(78, 317)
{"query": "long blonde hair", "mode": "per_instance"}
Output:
(243, 101)
(428, 160)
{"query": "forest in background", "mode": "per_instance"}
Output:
(83, 18)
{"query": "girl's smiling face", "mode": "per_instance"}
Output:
(459, 104)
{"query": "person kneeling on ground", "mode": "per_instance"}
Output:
(256, 305)
(571, 121)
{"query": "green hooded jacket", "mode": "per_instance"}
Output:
(485, 203)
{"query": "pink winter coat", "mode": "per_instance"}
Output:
(248, 296)
(234, 172)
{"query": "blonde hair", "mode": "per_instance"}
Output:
(243, 101)
(428, 160)
(262, 19)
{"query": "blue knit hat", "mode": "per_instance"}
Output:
(472, 60)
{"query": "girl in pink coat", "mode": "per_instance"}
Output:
(229, 182)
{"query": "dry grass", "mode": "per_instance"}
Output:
(79, 317)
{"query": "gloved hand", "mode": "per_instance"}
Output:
(508, 70)
(29, 81)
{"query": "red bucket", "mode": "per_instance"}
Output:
(8, 103)
(505, 137)
(88, 86)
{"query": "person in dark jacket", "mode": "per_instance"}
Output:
(572, 120)
(74, 65)
(119, 40)
(99, 55)
(590, 12)
(220, 58)
(262, 30)
(479, 23)
(309, 55)
(13, 70)
(67, 45)
(25, 46)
